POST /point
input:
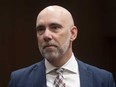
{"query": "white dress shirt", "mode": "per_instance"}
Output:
(70, 74)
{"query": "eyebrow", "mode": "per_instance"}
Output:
(51, 24)
(57, 24)
(39, 26)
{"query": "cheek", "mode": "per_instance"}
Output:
(39, 39)
(63, 37)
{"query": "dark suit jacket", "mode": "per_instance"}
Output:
(34, 76)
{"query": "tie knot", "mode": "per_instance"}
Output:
(59, 70)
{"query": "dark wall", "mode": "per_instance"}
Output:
(96, 42)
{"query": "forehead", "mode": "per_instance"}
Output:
(50, 16)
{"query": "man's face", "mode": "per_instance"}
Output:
(53, 35)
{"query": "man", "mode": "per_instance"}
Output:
(55, 33)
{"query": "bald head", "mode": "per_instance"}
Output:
(58, 12)
(55, 34)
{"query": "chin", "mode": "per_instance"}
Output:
(51, 56)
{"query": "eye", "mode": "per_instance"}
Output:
(40, 29)
(55, 26)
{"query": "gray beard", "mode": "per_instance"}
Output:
(58, 51)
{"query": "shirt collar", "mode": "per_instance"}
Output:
(71, 65)
(49, 66)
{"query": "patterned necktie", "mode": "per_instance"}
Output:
(59, 78)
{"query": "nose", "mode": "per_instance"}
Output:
(47, 35)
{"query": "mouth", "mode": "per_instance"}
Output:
(49, 46)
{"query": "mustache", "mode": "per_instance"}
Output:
(44, 45)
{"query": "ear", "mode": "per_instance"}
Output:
(74, 32)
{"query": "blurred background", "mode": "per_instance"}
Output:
(96, 42)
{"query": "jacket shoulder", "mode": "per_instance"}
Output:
(98, 73)
(92, 68)
(27, 70)
(97, 70)
(23, 77)
(100, 77)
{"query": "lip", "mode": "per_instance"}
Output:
(49, 46)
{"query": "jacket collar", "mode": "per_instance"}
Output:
(40, 79)
(86, 78)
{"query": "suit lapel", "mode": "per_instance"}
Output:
(40, 75)
(86, 78)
